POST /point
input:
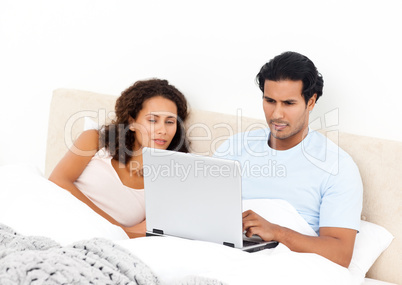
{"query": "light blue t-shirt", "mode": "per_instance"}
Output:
(316, 176)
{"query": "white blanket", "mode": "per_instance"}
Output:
(174, 258)
(34, 206)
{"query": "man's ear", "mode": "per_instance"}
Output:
(311, 102)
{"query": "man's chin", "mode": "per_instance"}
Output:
(279, 135)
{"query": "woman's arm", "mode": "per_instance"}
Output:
(73, 164)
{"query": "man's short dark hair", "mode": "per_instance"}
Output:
(293, 66)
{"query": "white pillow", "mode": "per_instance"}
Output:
(90, 124)
(279, 212)
(370, 242)
(33, 205)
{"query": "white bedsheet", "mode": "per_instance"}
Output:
(34, 206)
(173, 259)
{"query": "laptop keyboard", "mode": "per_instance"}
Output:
(248, 243)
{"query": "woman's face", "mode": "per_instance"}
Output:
(156, 124)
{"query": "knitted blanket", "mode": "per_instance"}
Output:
(40, 260)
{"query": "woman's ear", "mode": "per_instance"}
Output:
(131, 121)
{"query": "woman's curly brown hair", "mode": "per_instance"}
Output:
(118, 139)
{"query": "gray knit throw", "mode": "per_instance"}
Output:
(40, 260)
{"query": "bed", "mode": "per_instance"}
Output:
(49, 237)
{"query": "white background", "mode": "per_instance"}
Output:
(211, 51)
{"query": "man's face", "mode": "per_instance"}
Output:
(286, 112)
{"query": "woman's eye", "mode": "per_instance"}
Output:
(152, 120)
(171, 122)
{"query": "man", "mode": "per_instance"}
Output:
(288, 161)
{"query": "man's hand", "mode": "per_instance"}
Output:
(336, 244)
(254, 224)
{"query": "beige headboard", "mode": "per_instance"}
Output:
(69, 108)
(379, 161)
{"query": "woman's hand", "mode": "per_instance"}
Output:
(138, 230)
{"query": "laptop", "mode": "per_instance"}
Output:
(195, 197)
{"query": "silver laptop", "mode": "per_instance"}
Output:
(195, 197)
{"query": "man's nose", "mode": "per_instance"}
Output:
(278, 112)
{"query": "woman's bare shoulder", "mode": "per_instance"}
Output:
(76, 159)
(88, 141)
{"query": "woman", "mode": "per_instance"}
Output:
(104, 168)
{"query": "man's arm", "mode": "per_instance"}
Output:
(335, 244)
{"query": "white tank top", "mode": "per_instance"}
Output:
(102, 185)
